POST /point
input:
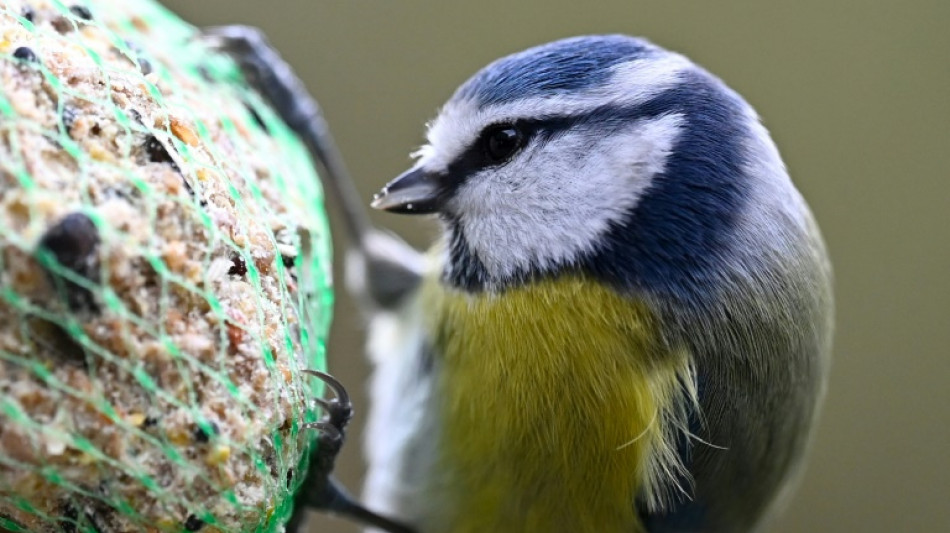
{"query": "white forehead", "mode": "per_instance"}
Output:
(630, 83)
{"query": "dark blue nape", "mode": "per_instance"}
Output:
(563, 66)
(673, 241)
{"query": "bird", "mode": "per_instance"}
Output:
(626, 322)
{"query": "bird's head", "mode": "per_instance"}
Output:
(606, 154)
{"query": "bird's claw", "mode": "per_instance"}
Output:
(337, 414)
(320, 490)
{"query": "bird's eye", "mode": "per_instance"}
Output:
(502, 141)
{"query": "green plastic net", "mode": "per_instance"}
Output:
(164, 277)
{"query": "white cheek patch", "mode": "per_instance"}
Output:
(631, 83)
(553, 202)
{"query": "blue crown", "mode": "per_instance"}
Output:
(563, 66)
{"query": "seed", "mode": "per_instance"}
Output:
(218, 455)
(201, 434)
(238, 265)
(145, 67)
(74, 243)
(184, 132)
(25, 53)
(157, 153)
(193, 523)
(72, 240)
(81, 12)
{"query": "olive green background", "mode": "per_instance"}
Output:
(857, 96)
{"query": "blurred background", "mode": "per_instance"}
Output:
(855, 93)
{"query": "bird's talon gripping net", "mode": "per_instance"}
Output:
(163, 279)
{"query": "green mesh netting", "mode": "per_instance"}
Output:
(164, 277)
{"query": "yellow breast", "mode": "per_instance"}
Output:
(553, 397)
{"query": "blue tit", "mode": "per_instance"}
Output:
(626, 324)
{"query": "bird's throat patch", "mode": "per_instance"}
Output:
(553, 400)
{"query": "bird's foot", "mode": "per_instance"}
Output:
(320, 490)
(332, 427)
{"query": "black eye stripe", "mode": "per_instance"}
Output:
(476, 158)
(540, 130)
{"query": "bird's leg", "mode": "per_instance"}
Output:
(266, 71)
(320, 490)
(386, 268)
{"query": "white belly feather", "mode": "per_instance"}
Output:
(400, 438)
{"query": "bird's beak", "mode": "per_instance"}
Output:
(414, 192)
